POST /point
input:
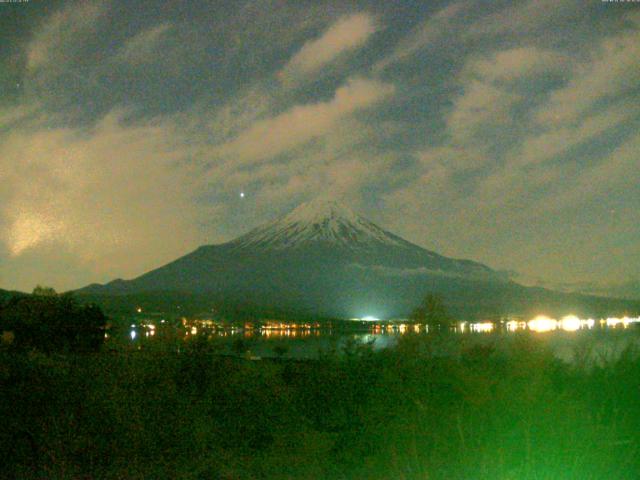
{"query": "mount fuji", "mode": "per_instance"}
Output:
(324, 259)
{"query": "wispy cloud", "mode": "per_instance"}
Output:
(144, 46)
(426, 272)
(427, 34)
(517, 63)
(612, 71)
(62, 34)
(12, 116)
(346, 34)
(482, 108)
(557, 140)
(616, 172)
(302, 123)
(524, 17)
(238, 114)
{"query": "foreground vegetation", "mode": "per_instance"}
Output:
(407, 413)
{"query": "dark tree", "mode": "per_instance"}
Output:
(50, 322)
(41, 291)
(432, 312)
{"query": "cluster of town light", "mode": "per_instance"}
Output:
(543, 323)
(540, 324)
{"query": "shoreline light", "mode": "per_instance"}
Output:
(542, 323)
(482, 327)
(570, 323)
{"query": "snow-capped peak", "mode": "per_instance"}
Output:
(319, 210)
(319, 220)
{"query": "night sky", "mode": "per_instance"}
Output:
(504, 132)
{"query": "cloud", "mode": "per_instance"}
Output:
(616, 172)
(347, 34)
(11, 116)
(424, 271)
(589, 107)
(612, 71)
(30, 229)
(553, 142)
(238, 114)
(302, 123)
(144, 46)
(61, 35)
(341, 162)
(111, 195)
(526, 177)
(335, 167)
(517, 63)
(493, 86)
(427, 34)
(629, 289)
(525, 17)
(481, 108)
(490, 89)
(450, 158)
(340, 159)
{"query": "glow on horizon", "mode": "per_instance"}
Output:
(570, 323)
(624, 321)
(483, 327)
(542, 323)
(513, 325)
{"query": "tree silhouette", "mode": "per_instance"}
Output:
(50, 322)
(432, 312)
(44, 291)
